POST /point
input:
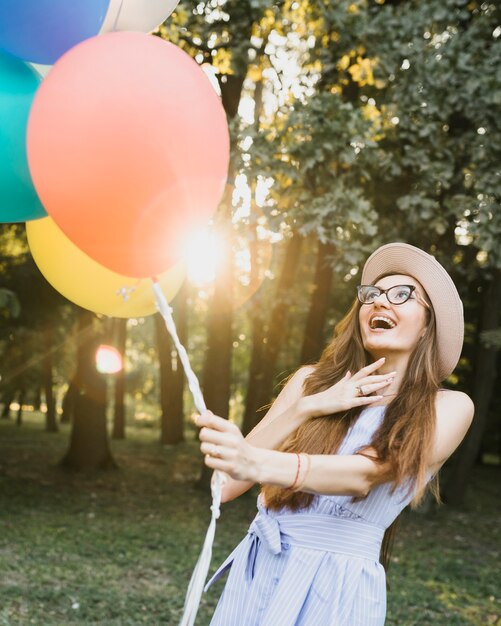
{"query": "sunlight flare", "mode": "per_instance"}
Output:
(108, 360)
(202, 255)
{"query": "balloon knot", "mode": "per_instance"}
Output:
(125, 292)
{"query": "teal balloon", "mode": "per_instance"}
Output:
(18, 199)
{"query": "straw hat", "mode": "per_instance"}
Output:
(402, 258)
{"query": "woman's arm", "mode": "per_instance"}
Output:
(353, 475)
(328, 474)
(455, 412)
(292, 408)
(356, 474)
(284, 417)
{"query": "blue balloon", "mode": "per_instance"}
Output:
(18, 199)
(41, 31)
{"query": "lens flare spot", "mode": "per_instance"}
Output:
(108, 360)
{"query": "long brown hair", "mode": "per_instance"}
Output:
(405, 436)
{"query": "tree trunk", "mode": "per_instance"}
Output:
(119, 405)
(37, 402)
(171, 421)
(9, 397)
(217, 367)
(89, 446)
(68, 403)
(48, 382)
(256, 313)
(164, 347)
(313, 342)
(485, 376)
(261, 388)
(255, 371)
(257, 322)
(178, 376)
(19, 417)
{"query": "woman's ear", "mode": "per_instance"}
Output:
(425, 329)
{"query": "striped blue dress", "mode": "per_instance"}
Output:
(318, 566)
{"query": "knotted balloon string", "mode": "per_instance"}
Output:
(126, 291)
(197, 582)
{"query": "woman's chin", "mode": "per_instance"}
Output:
(378, 343)
(378, 347)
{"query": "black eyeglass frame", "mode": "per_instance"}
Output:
(412, 289)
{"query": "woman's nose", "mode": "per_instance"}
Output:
(382, 300)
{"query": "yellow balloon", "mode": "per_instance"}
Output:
(87, 283)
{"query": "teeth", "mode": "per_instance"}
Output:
(381, 318)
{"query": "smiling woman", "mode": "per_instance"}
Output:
(347, 445)
(393, 316)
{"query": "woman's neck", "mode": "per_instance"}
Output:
(393, 363)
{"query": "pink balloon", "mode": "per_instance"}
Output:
(128, 149)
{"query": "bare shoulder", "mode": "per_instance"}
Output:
(298, 378)
(455, 412)
(291, 392)
(457, 403)
(293, 388)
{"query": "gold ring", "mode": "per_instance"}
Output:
(360, 391)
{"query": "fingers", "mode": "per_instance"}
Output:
(220, 452)
(217, 463)
(215, 422)
(368, 369)
(216, 437)
(220, 444)
(369, 388)
(227, 460)
(363, 400)
(377, 378)
(223, 446)
(374, 383)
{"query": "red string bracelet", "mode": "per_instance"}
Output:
(299, 486)
(297, 471)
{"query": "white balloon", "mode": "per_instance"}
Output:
(43, 70)
(137, 15)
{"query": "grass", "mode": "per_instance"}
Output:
(118, 548)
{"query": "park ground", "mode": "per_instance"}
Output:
(117, 548)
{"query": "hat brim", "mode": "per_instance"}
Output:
(402, 258)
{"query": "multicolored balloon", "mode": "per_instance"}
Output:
(40, 31)
(18, 199)
(128, 147)
(90, 285)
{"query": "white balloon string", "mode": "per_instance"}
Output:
(199, 576)
(166, 312)
(117, 17)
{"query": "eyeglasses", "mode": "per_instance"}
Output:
(398, 294)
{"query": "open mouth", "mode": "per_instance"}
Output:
(381, 322)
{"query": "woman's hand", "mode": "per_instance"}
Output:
(351, 391)
(225, 448)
